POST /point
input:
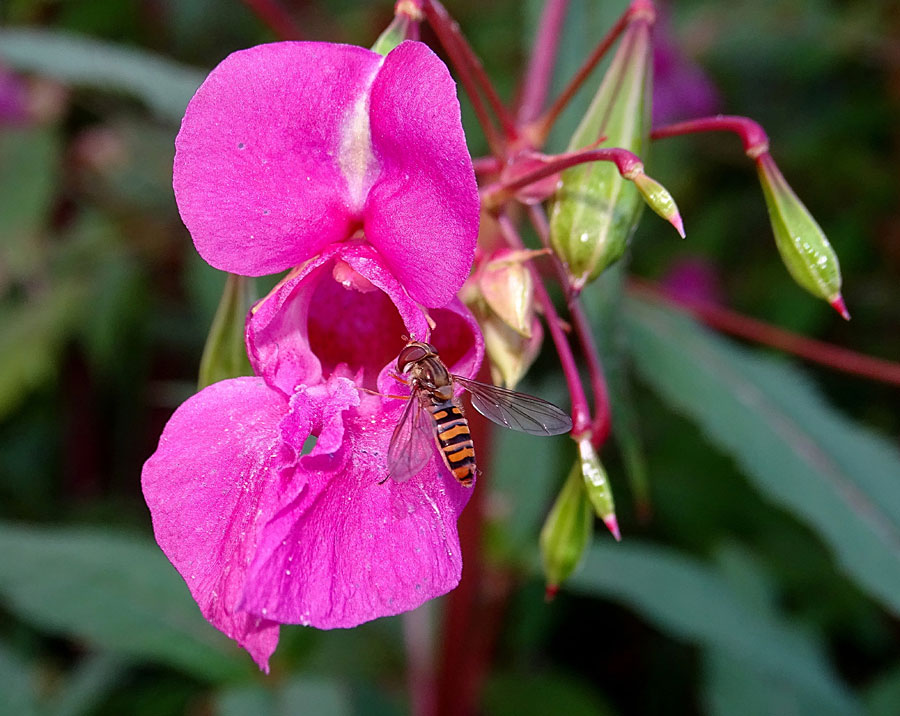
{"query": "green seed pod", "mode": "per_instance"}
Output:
(596, 209)
(801, 242)
(225, 355)
(566, 531)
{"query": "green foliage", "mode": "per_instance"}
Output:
(165, 86)
(112, 591)
(301, 695)
(777, 590)
(691, 601)
(833, 474)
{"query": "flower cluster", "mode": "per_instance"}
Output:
(269, 493)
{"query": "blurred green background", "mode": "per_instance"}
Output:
(765, 577)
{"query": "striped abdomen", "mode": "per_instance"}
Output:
(454, 440)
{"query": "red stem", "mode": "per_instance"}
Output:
(602, 422)
(471, 75)
(464, 659)
(736, 324)
(628, 163)
(638, 8)
(276, 18)
(581, 414)
(543, 57)
(753, 136)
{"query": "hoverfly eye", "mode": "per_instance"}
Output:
(431, 348)
(409, 355)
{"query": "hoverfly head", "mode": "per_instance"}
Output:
(414, 352)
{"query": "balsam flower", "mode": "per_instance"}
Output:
(353, 169)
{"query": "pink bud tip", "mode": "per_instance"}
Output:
(838, 305)
(612, 524)
(550, 592)
(677, 223)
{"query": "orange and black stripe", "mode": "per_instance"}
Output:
(455, 440)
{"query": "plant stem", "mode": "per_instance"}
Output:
(418, 637)
(539, 72)
(627, 163)
(751, 329)
(541, 127)
(753, 136)
(471, 75)
(276, 18)
(581, 414)
(602, 422)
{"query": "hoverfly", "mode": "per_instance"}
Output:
(433, 414)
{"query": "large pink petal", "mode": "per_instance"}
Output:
(422, 211)
(257, 165)
(217, 456)
(350, 547)
(343, 307)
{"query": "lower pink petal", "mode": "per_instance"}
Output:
(204, 485)
(353, 547)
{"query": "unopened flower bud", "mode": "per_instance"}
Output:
(566, 531)
(225, 355)
(511, 354)
(596, 209)
(801, 242)
(505, 284)
(597, 485)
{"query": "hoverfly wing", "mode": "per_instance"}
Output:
(516, 411)
(412, 442)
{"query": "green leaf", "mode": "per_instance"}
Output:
(734, 687)
(303, 695)
(883, 695)
(32, 338)
(163, 85)
(29, 173)
(833, 475)
(112, 591)
(17, 684)
(88, 684)
(690, 601)
(517, 694)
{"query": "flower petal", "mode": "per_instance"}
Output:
(422, 211)
(343, 307)
(258, 175)
(204, 486)
(351, 548)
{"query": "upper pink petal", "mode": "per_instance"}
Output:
(257, 166)
(352, 547)
(205, 488)
(422, 211)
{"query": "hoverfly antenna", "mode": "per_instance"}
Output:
(404, 338)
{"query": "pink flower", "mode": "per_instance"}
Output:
(269, 493)
(265, 532)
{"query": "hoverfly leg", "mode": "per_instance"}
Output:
(382, 395)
